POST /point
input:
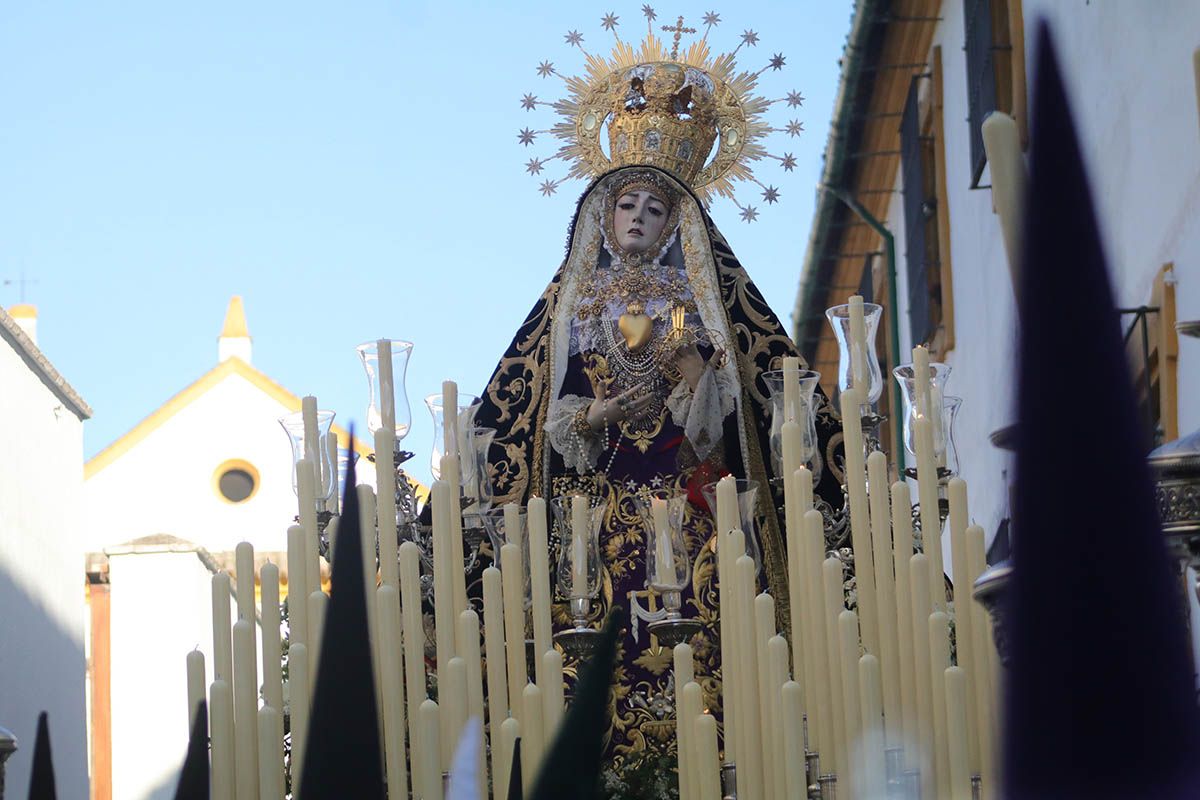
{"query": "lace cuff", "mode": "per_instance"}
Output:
(577, 444)
(701, 413)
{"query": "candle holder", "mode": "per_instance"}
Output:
(315, 451)
(803, 413)
(828, 783)
(578, 568)
(729, 781)
(839, 319)
(976, 787)
(368, 352)
(468, 406)
(893, 759)
(914, 407)
(989, 591)
(582, 640)
(812, 775)
(747, 495)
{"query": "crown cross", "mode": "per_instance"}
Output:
(679, 31)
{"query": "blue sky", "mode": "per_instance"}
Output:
(351, 169)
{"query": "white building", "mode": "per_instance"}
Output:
(918, 79)
(42, 627)
(167, 503)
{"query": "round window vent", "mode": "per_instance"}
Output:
(236, 481)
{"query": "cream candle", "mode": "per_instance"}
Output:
(664, 555)
(385, 504)
(793, 741)
(708, 768)
(514, 625)
(797, 617)
(870, 690)
(272, 647)
(443, 496)
(1002, 143)
(956, 731)
(922, 657)
(939, 661)
(392, 701)
(791, 388)
(297, 583)
(835, 604)
(431, 764)
(579, 535)
(468, 647)
(552, 693)
(317, 603)
(539, 573)
(222, 635)
(931, 524)
(510, 732)
(221, 733)
(366, 533)
(532, 735)
(859, 369)
(449, 418)
(984, 672)
(497, 672)
(885, 592)
(750, 750)
(819, 694)
(453, 697)
(956, 491)
(777, 658)
(860, 518)
(270, 751)
(244, 565)
(332, 504)
(308, 416)
(245, 709)
(691, 705)
(902, 552)
(414, 647)
(727, 553)
(848, 639)
(452, 474)
(684, 675)
(299, 690)
(768, 699)
(387, 391)
(306, 488)
(195, 684)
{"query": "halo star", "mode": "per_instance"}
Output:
(547, 188)
(526, 136)
(795, 99)
(777, 61)
(573, 38)
(750, 38)
(529, 102)
(534, 166)
(771, 194)
(788, 161)
(712, 18)
(794, 128)
(749, 214)
(545, 69)
(609, 21)
(649, 12)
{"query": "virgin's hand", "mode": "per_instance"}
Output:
(690, 364)
(605, 410)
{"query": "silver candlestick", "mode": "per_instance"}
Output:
(581, 641)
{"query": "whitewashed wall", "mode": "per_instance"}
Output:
(1128, 73)
(42, 664)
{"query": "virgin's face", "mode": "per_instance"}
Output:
(638, 220)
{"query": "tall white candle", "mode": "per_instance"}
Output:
(195, 684)
(298, 700)
(902, 552)
(684, 674)
(750, 750)
(366, 533)
(664, 555)
(848, 638)
(414, 648)
(450, 418)
(777, 672)
(579, 536)
(939, 660)
(387, 391)
(1002, 143)
(453, 704)
(532, 735)
(727, 554)
(510, 732)
(858, 347)
(514, 624)
(835, 603)
(272, 651)
(885, 592)
(317, 603)
(245, 709)
(791, 388)
(497, 672)
(270, 754)
(244, 564)
(332, 505)
(385, 505)
(708, 770)
(452, 475)
(306, 486)
(442, 496)
(820, 722)
(964, 634)
(691, 705)
(308, 415)
(931, 525)
(956, 731)
(926, 747)
(860, 518)
(222, 636)
(793, 740)
(220, 710)
(874, 777)
(553, 700)
(431, 766)
(768, 700)
(539, 573)
(798, 609)
(468, 648)
(983, 675)
(390, 648)
(297, 583)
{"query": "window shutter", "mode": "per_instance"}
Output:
(981, 78)
(915, 247)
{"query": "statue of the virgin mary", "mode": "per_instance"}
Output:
(640, 366)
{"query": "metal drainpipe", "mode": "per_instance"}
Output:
(889, 243)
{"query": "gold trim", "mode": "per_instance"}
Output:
(193, 392)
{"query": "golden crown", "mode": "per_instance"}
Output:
(688, 113)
